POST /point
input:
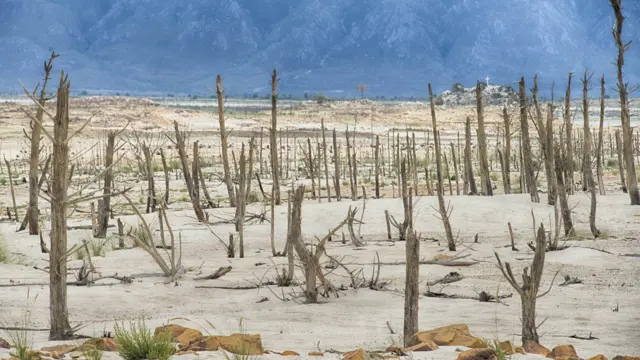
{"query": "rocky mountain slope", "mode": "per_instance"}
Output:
(396, 46)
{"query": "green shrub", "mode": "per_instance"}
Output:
(139, 343)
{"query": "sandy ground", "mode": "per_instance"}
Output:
(358, 318)
(355, 318)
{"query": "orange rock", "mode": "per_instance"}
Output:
(423, 346)
(355, 355)
(598, 357)
(102, 344)
(507, 347)
(620, 357)
(520, 350)
(452, 335)
(206, 343)
(316, 353)
(289, 353)
(241, 344)
(565, 352)
(441, 257)
(57, 351)
(184, 336)
(531, 347)
(478, 354)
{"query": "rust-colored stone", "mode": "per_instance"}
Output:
(564, 352)
(478, 354)
(452, 335)
(423, 346)
(531, 347)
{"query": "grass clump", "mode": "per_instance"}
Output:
(21, 339)
(139, 343)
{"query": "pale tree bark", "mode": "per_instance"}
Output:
(377, 166)
(151, 188)
(627, 132)
(165, 169)
(568, 127)
(443, 209)
(275, 168)
(623, 178)
(600, 150)
(224, 142)
(336, 162)
(326, 160)
(588, 171)
(105, 210)
(526, 146)
(468, 165)
(412, 289)
(529, 289)
(180, 145)
(507, 150)
(550, 157)
(60, 328)
(561, 189)
(241, 203)
(482, 145)
(36, 132)
(545, 145)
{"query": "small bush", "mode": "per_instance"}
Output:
(138, 343)
(93, 354)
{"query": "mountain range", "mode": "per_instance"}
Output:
(328, 46)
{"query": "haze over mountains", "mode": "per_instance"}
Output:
(395, 46)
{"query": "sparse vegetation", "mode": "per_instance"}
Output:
(138, 343)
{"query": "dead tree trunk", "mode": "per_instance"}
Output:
(530, 287)
(351, 167)
(326, 160)
(105, 210)
(482, 145)
(627, 132)
(312, 173)
(36, 132)
(455, 168)
(588, 171)
(526, 146)
(468, 167)
(412, 289)
(443, 209)
(544, 143)
(13, 193)
(377, 165)
(600, 150)
(274, 128)
(60, 328)
(241, 203)
(507, 151)
(224, 143)
(568, 126)
(561, 189)
(550, 157)
(623, 178)
(151, 188)
(195, 201)
(336, 161)
(166, 177)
